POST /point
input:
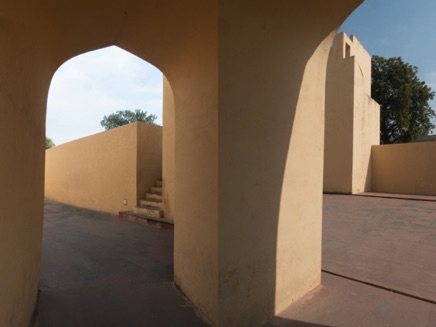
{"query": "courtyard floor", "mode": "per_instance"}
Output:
(379, 269)
(379, 265)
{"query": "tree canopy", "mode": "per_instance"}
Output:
(49, 143)
(124, 117)
(405, 112)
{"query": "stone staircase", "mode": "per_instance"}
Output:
(149, 211)
(152, 204)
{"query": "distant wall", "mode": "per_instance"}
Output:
(100, 171)
(404, 168)
(339, 115)
(352, 118)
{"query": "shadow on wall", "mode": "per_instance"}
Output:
(270, 88)
(368, 180)
(270, 192)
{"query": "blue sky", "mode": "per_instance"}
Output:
(398, 28)
(101, 82)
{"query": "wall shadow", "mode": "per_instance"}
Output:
(267, 99)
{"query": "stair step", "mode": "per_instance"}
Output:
(153, 196)
(162, 223)
(159, 183)
(151, 203)
(156, 190)
(149, 211)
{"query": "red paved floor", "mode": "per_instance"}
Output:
(100, 271)
(343, 303)
(388, 243)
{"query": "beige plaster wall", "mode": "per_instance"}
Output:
(366, 134)
(168, 150)
(339, 119)
(404, 168)
(21, 201)
(352, 118)
(99, 171)
(271, 124)
(23, 90)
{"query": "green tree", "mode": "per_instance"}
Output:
(124, 117)
(49, 143)
(405, 112)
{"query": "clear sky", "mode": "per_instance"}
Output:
(101, 82)
(398, 28)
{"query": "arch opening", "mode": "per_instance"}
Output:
(90, 173)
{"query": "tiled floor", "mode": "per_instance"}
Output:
(387, 250)
(100, 271)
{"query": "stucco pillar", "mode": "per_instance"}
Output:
(272, 70)
(188, 58)
(23, 90)
(168, 151)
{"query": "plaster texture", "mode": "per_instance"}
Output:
(352, 118)
(99, 171)
(168, 151)
(404, 168)
(248, 79)
(180, 38)
(271, 128)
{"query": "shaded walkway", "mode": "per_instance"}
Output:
(101, 271)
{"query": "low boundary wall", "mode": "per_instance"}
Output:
(99, 171)
(404, 168)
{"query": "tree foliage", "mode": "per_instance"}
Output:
(124, 117)
(404, 100)
(49, 143)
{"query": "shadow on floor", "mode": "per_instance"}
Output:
(283, 322)
(99, 271)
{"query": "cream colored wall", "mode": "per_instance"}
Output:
(168, 140)
(404, 168)
(23, 89)
(99, 171)
(180, 38)
(260, 137)
(352, 118)
(339, 119)
(271, 125)
(21, 198)
(366, 119)
(366, 134)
